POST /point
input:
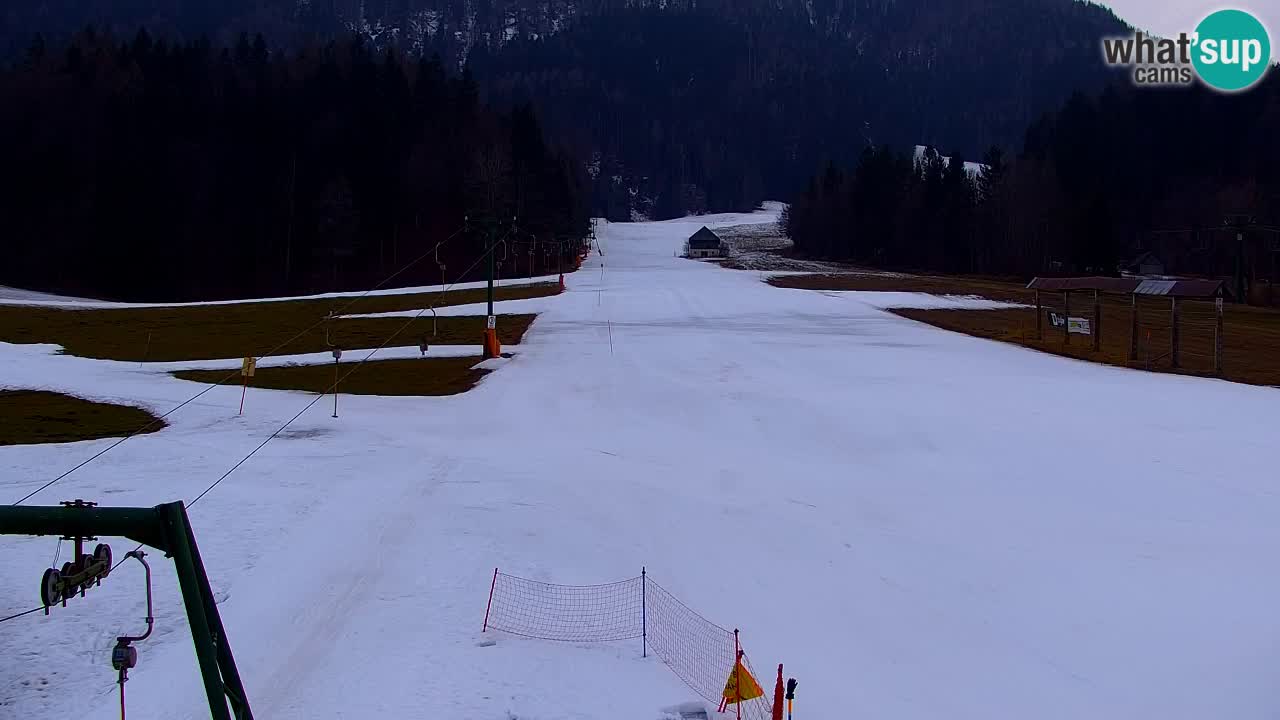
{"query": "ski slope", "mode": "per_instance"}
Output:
(920, 524)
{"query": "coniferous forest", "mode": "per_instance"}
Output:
(145, 170)
(1099, 179)
(346, 137)
(679, 106)
(714, 108)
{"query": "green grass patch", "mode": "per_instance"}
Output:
(37, 416)
(203, 332)
(419, 376)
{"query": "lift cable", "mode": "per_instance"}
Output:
(283, 427)
(336, 384)
(18, 615)
(232, 374)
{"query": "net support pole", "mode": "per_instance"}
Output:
(489, 606)
(737, 675)
(644, 613)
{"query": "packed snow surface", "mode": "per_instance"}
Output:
(12, 295)
(919, 301)
(920, 524)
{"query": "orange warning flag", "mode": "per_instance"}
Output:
(741, 686)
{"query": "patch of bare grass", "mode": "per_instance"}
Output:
(418, 376)
(202, 332)
(38, 416)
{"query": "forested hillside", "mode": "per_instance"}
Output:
(147, 170)
(715, 109)
(679, 106)
(1097, 180)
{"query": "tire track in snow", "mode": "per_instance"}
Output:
(354, 581)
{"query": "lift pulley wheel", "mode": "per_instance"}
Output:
(75, 577)
(102, 556)
(51, 587)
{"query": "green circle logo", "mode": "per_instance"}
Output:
(1232, 50)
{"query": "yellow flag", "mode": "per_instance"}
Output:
(741, 686)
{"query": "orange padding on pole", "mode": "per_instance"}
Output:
(492, 348)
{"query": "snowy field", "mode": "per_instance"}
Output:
(764, 246)
(920, 524)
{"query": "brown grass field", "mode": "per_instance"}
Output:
(37, 416)
(422, 376)
(203, 332)
(1251, 335)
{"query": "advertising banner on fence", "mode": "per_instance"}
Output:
(1077, 325)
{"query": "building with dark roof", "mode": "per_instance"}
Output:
(705, 243)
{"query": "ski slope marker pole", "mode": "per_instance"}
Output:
(337, 355)
(791, 695)
(247, 369)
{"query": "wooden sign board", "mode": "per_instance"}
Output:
(248, 367)
(1076, 325)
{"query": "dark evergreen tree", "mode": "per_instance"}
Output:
(153, 171)
(1090, 185)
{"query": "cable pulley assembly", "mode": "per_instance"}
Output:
(80, 573)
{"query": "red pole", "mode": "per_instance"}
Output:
(243, 390)
(490, 605)
(737, 663)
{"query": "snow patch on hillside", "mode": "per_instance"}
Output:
(971, 168)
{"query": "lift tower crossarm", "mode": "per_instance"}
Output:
(167, 529)
(142, 525)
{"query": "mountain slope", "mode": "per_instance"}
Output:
(681, 106)
(713, 109)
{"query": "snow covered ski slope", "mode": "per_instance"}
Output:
(920, 524)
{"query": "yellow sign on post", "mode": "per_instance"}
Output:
(249, 367)
(741, 686)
